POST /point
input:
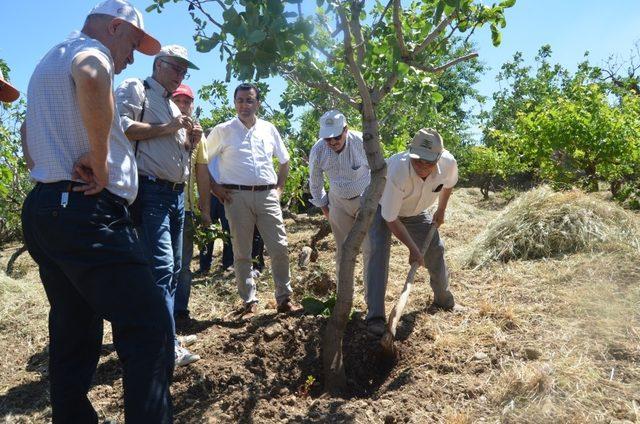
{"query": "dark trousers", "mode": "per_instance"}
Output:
(92, 267)
(183, 290)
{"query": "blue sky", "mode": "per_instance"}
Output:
(30, 27)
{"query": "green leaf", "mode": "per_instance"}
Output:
(496, 37)
(437, 97)
(313, 306)
(256, 36)
(438, 15)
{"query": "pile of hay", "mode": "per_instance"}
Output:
(542, 223)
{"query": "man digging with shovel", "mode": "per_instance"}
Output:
(415, 179)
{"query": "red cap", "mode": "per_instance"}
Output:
(184, 90)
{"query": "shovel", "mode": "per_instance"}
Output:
(394, 317)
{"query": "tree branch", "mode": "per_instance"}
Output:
(434, 34)
(356, 29)
(196, 4)
(397, 25)
(326, 86)
(322, 50)
(436, 69)
(367, 105)
(379, 93)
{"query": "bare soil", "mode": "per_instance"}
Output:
(554, 340)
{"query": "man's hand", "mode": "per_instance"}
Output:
(223, 194)
(180, 122)
(279, 191)
(438, 217)
(325, 211)
(96, 175)
(196, 134)
(416, 256)
(206, 219)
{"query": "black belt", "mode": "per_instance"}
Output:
(250, 188)
(163, 183)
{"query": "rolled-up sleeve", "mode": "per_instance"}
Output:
(129, 99)
(316, 180)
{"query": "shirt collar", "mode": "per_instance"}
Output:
(243, 126)
(157, 87)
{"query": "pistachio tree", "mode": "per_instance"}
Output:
(373, 47)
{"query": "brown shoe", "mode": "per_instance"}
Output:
(287, 306)
(249, 310)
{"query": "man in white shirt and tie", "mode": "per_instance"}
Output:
(339, 154)
(251, 189)
(415, 180)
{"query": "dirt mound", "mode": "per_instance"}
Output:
(269, 362)
(542, 224)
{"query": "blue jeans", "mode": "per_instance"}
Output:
(162, 210)
(206, 255)
(183, 291)
(93, 267)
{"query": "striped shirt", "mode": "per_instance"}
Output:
(348, 171)
(406, 194)
(162, 157)
(245, 155)
(56, 135)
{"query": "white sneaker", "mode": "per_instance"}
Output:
(186, 341)
(255, 273)
(184, 357)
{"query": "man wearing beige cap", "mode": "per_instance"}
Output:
(158, 132)
(77, 226)
(339, 154)
(415, 180)
(8, 93)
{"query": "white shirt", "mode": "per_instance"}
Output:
(56, 135)
(406, 194)
(348, 171)
(245, 154)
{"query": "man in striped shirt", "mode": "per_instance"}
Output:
(339, 154)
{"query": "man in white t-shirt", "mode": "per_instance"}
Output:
(415, 180)
(250, 189)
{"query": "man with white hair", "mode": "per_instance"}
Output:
(158, 132)
(339, 154)
(77, 227)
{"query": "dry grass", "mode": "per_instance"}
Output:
(543, 224)
(543, 341)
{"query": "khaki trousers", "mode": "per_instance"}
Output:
(261, 208)
(342, 215)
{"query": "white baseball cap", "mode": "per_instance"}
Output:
(122, 9)
(332, 124)
(8, 93)
(177, 52)
(426, 145)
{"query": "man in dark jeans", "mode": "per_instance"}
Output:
(80, 233)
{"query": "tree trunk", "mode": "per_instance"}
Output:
(335, 377)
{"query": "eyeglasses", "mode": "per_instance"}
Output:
(179, 70)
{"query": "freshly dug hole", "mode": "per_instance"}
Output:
(543, 223)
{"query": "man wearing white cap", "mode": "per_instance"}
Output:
(158, 132)
(77, 226)
(339, 154)
(415, 180)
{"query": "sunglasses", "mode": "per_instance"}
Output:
(336, 138)
(179, 70)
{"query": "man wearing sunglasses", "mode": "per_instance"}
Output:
(339, 154)
(415, 180)
(158, 131)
